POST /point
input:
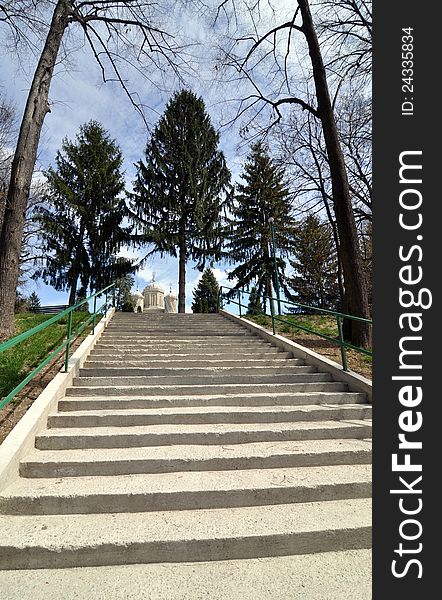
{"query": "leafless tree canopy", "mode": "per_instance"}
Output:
(7, 130)
(285, 63)
(119, 34)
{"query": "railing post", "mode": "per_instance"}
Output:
(342, 343)
(272, 312)
(68, 342)
(239, 302)
(113, 296)
(275, 264)
(95, 312)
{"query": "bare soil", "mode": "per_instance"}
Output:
(356, 361)
(11, 414)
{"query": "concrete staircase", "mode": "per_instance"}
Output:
(186, 438)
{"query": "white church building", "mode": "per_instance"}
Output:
(153, 300)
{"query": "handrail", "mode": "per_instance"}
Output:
(65, 344)
(343, 344)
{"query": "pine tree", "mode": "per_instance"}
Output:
(82, 219)
(255, 306)
(182, 187)
(315, 265)
(33, 302)
(205, 295)
(262, 196)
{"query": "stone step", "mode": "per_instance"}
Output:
(145, 330)
(55, 541)
(168, 316)
(270, 399)
(178, 330)
(190, 379)
(208, 414)
(184, 335)
(183, 340)
(150, 317)
(270, 352)
(187, 349)
(266, 578)
(177, 333)
(114, 362)
(201, 346)
(208, 340)
(72, 438)
(181, 458)
(189, 491)
(194, 373)
(207, 389)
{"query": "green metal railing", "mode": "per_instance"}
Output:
(340, 317)
(70, 335)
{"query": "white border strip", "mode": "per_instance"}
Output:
(356, 383)
(21, 439)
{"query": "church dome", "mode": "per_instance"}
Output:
(137, 294)
(153, 297)
(153, 287)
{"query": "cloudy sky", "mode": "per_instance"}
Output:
(78, 95)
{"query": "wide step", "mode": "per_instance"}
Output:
(207, 389)
(189, 491)
(230, 433)
(209, 414)
(183, 458)
(212, 373)
(76, 402)
(29, 542)
(265, 578)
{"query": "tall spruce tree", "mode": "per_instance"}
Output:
(315, 280)
(263, 195)
(205, 295)
(83, 212)
(182, 187)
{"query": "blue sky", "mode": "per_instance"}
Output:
(78, 95)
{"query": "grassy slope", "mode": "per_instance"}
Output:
(358, 362)
(16, 363)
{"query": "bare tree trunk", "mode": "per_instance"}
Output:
(2, 207)
(23, 166)
(182, 277)
(73, 291)
(338, 249)
(355, 287)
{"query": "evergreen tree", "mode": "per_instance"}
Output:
(262, 196)
(315, 265)
(123, 287)
(205, 295)
(33, 302)
(255, 306)
(82, 219)
(182, 187)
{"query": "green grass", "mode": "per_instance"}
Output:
(319, 324)
(17, 362)
(322, 324)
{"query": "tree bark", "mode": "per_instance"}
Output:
(182, 276)
(23, 166)
(73, 290)
(355, 288)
